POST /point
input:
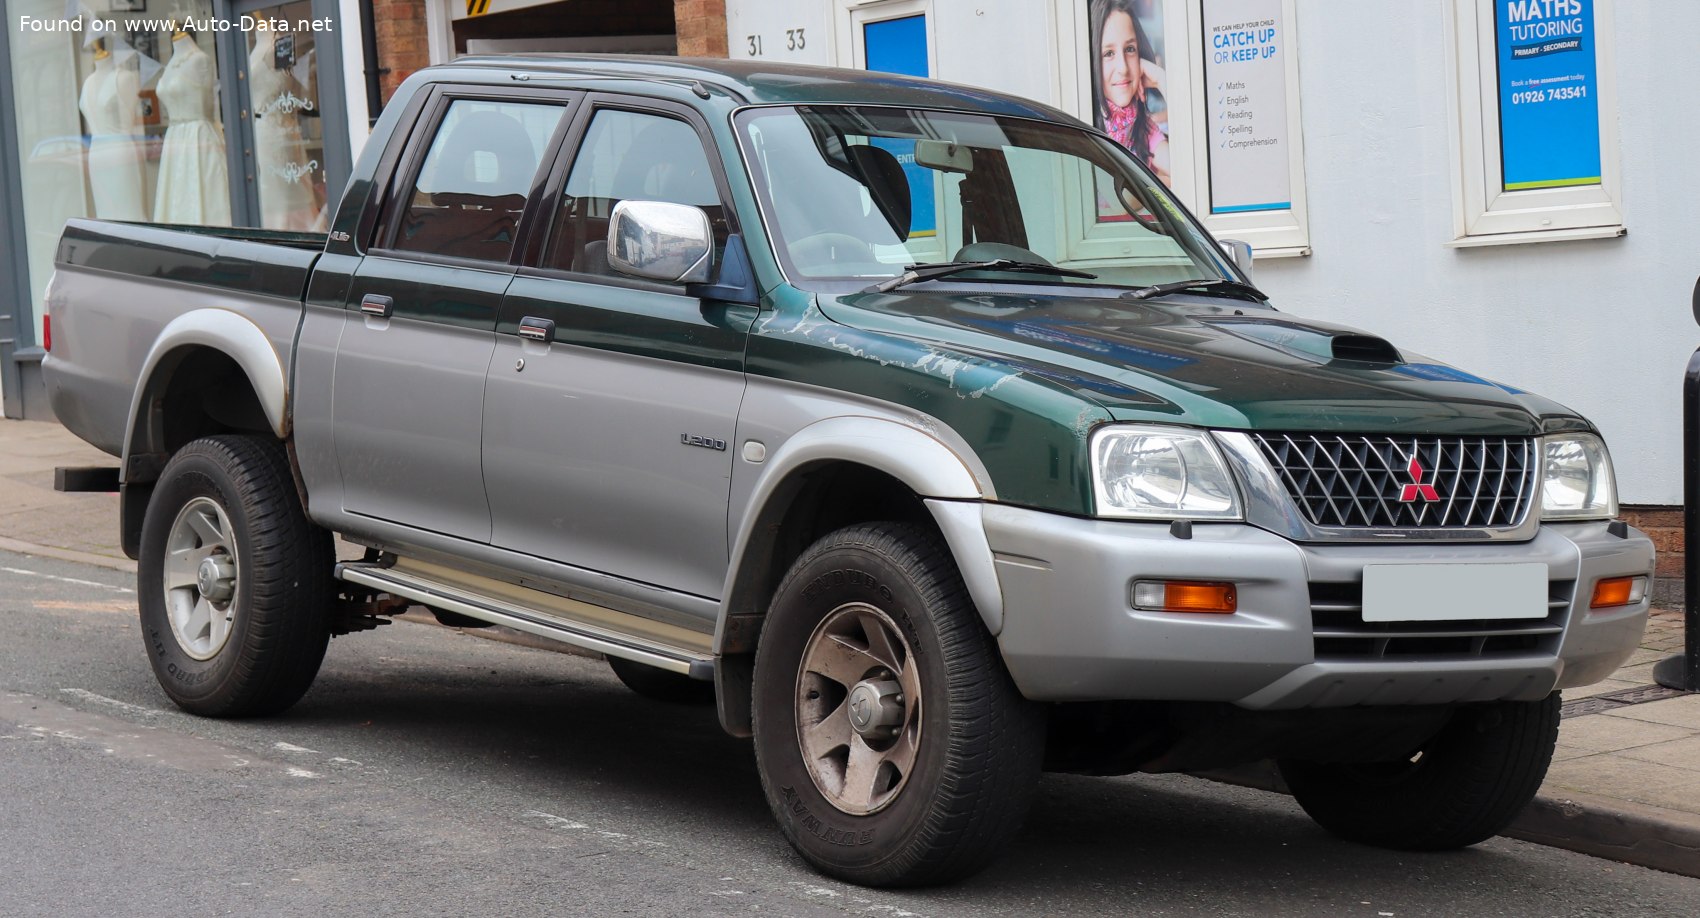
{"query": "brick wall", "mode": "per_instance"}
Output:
(402, 45)
(1664, 526)
(701, 27)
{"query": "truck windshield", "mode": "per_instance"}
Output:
(856, 195)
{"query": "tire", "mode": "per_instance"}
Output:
(661, 685)
(1464, 786)
(957, 749)
(230, 501)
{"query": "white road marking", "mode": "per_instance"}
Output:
(291, 747)
(555, 822)
(124, 706)
(92, 583)
(294, 772)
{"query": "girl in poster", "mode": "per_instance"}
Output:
(1125, 73)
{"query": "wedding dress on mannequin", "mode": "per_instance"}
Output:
(194, 182)
(110, 104)
(286, 174)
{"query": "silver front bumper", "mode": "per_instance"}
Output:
(1070, 634)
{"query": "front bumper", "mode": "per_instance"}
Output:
(1069, 633)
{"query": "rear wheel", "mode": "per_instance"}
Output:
(234, 582)
(893, 747)
(661, 685)
(1463, 786)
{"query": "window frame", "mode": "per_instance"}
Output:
(1272, 234)
(424, 135)
(1483, 212)
(566, 154)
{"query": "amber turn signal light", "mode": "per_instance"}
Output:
(1618, 591)
(1184, 596)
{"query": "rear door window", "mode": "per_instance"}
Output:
(472, 188)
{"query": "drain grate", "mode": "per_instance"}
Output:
(1611, 701)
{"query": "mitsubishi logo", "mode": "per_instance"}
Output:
(1416, 488)
(861, 711)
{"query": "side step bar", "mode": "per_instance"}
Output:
(533, 621)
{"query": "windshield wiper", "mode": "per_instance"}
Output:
(1231, 288)
(916, 273)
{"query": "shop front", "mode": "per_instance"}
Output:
(189, 112)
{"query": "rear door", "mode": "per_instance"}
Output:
(410, 367)
(611, 448)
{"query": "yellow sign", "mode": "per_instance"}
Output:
(477, 7)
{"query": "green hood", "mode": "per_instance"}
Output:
(1211, 363)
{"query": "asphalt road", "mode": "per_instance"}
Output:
(430, 772)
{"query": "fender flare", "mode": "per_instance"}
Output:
(230, 334)
(950, 485)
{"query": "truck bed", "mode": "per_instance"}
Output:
(117, 286)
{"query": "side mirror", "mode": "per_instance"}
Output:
(671, 243)
(1239, 253)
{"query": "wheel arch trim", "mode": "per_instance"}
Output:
(951, 488)
(228, 333)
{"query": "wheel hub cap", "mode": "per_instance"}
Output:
(216, 578)
(875, 707)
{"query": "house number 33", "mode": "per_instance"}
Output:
(794, 41)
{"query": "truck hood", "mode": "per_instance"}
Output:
(1213, 363)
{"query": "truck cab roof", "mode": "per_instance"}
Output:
(751, 82)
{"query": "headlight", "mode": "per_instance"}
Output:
(1576, 479)
(1165, 473)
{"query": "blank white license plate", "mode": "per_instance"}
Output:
(1454, 592)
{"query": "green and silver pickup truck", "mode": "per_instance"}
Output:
(916, 426)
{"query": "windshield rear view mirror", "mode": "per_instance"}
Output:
(944, 156)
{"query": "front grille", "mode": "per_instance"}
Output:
(1350, 481)
(1340, 632)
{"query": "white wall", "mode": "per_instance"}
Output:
(1603, 326)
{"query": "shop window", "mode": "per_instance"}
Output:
(1536, 117)
(289, 136)
(1205, 93)
(114, 123)
(629, 156)
(473, 184)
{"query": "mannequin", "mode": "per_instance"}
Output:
(194, 182)
(112, 109)
(287, 176)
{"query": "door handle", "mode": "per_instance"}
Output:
(373, 304)
(537, 329)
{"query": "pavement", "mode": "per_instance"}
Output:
(1624, 782)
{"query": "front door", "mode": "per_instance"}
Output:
(611, 447)
(410, 368)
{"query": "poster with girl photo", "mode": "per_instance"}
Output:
(1128, 78)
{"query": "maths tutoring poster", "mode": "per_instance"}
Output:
(1549, 110)
(1245, 85)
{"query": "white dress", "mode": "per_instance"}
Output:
(287, 175)
(194, 181)
(110, 103)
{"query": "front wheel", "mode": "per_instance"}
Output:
(234, 582)
(893, 747)
(1464, 786)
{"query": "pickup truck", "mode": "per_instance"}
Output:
(916, 426)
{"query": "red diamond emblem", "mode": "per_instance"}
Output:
(1416, 488)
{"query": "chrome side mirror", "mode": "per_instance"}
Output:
(671, 243)
(1239, 253)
